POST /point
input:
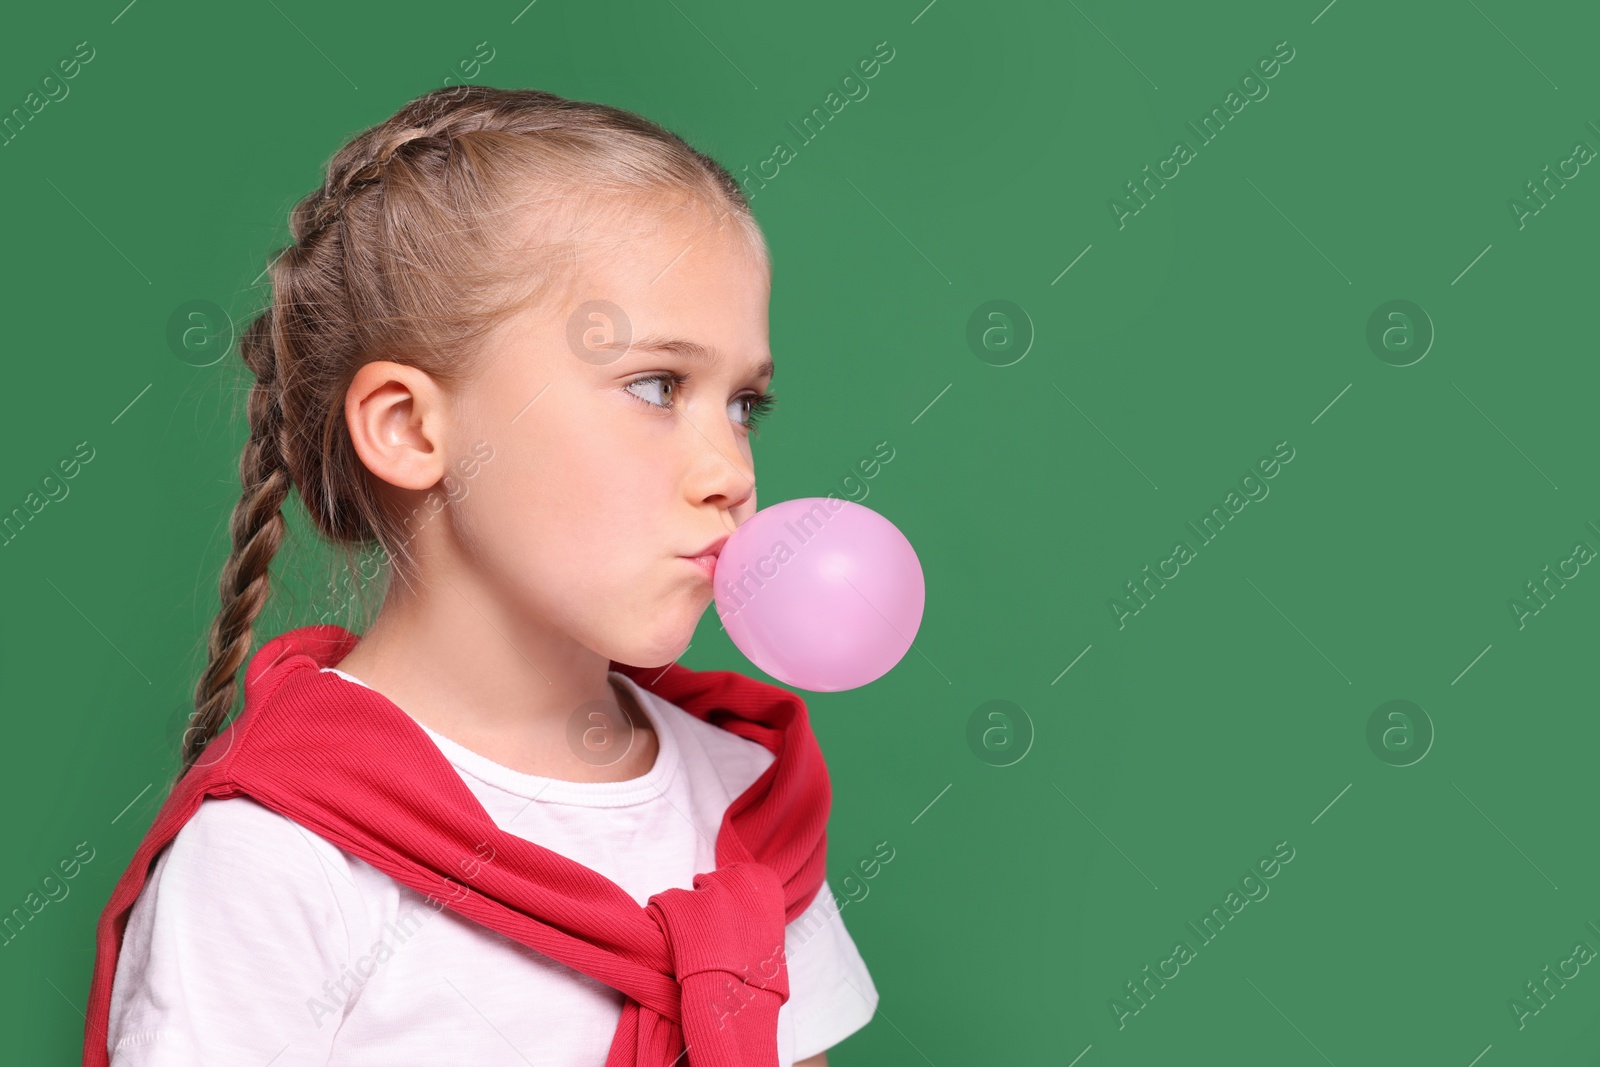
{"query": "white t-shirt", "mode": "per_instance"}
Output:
(255, 941)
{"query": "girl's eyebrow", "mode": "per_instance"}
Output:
(694, 350)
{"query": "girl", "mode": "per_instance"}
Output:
(518, 345)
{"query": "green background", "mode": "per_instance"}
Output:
(1230, 314)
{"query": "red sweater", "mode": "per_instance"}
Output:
(348, 765)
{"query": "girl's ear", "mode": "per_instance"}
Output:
(397, 417)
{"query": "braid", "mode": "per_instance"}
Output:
(437, 117)
(317, 213)
(258, 528)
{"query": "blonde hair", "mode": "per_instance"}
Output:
(408, 253)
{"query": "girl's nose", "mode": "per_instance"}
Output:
(722, 472)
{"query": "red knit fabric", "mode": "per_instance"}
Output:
(702, 969)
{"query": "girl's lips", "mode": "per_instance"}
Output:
(713, 549)
(706, 564)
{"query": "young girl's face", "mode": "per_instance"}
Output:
(606, 471)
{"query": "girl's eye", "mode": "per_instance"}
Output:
(747, 410)
(756, 407)
(665, 383)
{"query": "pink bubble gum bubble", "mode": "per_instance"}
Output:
(821, 593)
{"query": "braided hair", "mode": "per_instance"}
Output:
(412, 250)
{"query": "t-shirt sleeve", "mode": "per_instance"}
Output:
(229, 945)
(831, 994)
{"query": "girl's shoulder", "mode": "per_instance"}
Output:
(240, 847)
(243, 915)
(243, 828)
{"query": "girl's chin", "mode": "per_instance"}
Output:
(663, 646)
(663, 631)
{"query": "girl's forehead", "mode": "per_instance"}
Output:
(639, 265)
(683, 266)
(617, 219)
(705, 293)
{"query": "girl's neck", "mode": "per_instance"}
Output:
(514, 707)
